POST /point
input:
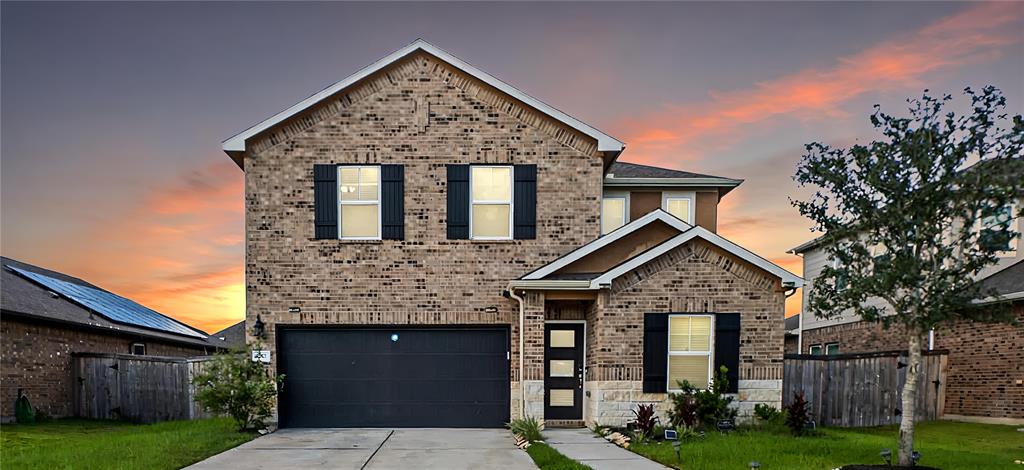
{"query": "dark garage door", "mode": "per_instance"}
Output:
(394, 377)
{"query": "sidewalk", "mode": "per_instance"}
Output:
(583, 446)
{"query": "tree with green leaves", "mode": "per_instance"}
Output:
(911, 219)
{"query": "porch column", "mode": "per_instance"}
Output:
(533, 354)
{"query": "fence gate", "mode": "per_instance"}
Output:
(143, 389)
(850, 390)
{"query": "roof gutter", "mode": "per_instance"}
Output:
(680, 182)
(550, 284)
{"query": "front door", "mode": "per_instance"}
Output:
(563, 371)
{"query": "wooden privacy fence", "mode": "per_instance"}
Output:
(143, 389)
(850, 390)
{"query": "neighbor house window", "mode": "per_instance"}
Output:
(613, 213)
(138, 349)
(679, 204)
(831, 349)
(689, 350)
(490, 217)
(359, 197)
(990, 235)
(841, 279)
(815, 349)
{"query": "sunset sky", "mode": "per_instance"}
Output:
(111, 115)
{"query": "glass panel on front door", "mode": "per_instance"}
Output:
(563, 371)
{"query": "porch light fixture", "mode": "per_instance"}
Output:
(258, 328)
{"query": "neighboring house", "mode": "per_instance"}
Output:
(232, 337)
(424, 248)
(47, 316)
(986, 361)
(792, 327)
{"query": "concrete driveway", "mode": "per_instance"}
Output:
(375, 449)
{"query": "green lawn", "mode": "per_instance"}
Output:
(944, 444)
(83, 444)
(547, 458)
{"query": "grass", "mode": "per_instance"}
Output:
(548, 458)
(87, 444)
(944, 444)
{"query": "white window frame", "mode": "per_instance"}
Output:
(510, 201)
(821, 350)
(674, 195)
(1014, 226)
(625, 209)
(710, 352)
(360, 203)
(824, 350)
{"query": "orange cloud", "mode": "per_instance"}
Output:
(980, 33)
(178, 251)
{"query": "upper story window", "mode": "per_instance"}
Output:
(989, 232)
(359, 201)
(689, 350)
(138, 349)
(613, 213)
(679, 204)
(831, 349)
(815, 350)
(490, 215)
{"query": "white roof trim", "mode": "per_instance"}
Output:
(697, 181)
(607, 239)
(788, 279)
(999, 298)
(557, 284)
(605, 143)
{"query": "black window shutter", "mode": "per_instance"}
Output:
(524, 218)
(727, 347)
(655, 353)
(325, 201)
(458, 202)
(392, 193)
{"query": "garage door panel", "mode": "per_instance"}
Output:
(368, 377)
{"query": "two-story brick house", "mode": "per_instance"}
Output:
(429, 246)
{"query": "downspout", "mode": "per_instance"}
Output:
(931, 339)
(522, 343)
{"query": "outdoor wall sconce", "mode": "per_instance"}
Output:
(258, 329)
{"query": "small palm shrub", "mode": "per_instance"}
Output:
(645, 420)
(233, 384)
(796, 415)
(527, 428)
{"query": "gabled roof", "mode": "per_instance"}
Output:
(624, 174)
(605, 143)
(541, 277)
(1006, 284)
(24, 298)
(230, 337)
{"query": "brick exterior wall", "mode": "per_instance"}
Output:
(986, 361)
(423, 114)
(36, 358)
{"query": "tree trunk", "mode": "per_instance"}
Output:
(909, 397)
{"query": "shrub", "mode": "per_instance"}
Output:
(706, 408)
(767, 413)
(796, 415)
(527, 428)
(233, 384)
(645, 421)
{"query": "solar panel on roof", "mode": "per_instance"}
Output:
(114, 307)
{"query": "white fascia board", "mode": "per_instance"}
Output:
(542, 284)
(788, 279)
(607, 239)
(605, 143)
(1000, 298)
(681, 182)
